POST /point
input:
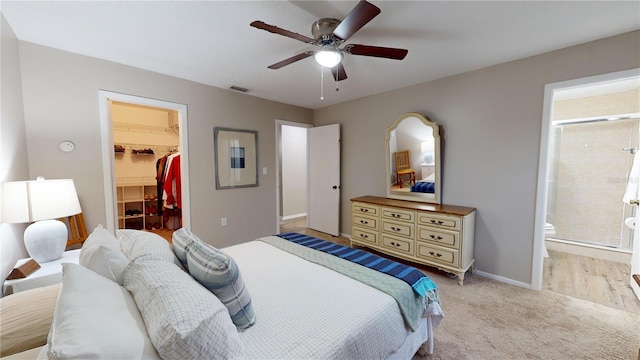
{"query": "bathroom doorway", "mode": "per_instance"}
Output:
(590, 159)
(593, 136)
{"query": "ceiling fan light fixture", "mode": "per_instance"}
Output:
(328, 56)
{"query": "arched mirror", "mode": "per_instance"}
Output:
(413, 159)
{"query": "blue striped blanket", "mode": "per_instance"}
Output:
(420, 283)
(423, 187)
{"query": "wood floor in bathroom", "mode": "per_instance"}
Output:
(600, 281)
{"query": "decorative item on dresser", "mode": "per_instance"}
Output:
(437, 235)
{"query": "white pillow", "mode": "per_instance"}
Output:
(138, 243)
(96, 319)
(184, 320)
(101, 253)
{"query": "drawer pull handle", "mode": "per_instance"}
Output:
(439, 222)
(436, 237)
(435, 254)
(395, 244)
(364, 222)
(395, 228)
(364, 210)
(396, 215)
(364, 236)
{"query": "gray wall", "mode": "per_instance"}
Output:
(13, 143)
(491, 121)
(61, 103)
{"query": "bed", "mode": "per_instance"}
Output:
(426, 185)
(302, 307)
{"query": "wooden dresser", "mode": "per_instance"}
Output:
(441, 236)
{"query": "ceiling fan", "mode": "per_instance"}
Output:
(329, 34)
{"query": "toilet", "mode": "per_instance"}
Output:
(549, 230)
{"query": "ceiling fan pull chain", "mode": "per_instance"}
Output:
(321, 82)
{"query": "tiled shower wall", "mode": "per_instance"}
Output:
(589, 170)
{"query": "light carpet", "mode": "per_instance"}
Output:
(491, 320)
(486, 319)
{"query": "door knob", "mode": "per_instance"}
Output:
(335, 187)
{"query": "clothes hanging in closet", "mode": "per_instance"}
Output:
(172, 198)
(160, 163)
(169, 190)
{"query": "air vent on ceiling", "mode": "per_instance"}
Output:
(238, 88)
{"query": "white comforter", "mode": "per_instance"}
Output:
(316, 313)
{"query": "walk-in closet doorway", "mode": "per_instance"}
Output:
(145, 154)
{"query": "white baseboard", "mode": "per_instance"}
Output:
(289, 217)
(502, 279)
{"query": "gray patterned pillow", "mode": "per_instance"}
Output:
(219, 273)
(183, 319)
(137, 243)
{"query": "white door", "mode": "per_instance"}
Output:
(324, 179)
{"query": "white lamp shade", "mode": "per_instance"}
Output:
(27, 201)
(427, 146)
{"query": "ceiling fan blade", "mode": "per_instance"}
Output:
(377, 51)
(358, 17)
(290, 60)
(338, 72)
(276, 30)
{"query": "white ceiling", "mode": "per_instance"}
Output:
(211, 42)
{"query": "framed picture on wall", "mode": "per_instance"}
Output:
(236, 158)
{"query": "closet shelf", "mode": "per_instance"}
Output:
(158, 149)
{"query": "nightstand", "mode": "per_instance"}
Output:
(49, 273)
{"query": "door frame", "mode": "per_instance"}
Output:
(543, 162)
(279, 124)
(108, 163)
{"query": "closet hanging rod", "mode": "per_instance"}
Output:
(143, 128)
(159, 148)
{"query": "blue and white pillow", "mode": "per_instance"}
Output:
(219, 273)
(181, 240)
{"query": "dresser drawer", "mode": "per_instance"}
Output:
(364, 208)
(441, 221)
(398, 214)
(439, 237)
(398, 228)
(365, 221)
(397, 244)
(437, 254)
(364, 235)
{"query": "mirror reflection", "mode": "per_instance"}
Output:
(413, 159)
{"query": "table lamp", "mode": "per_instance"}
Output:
(41, 202)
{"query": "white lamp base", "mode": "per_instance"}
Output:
(46, 240)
